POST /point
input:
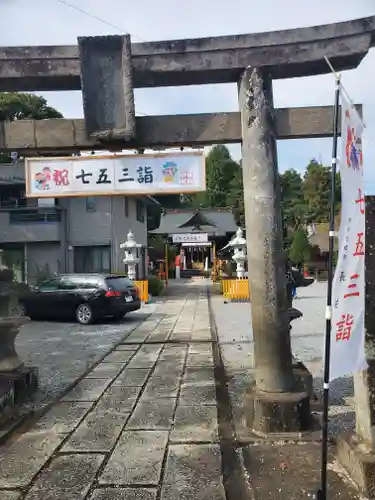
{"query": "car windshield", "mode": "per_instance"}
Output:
(119, 284)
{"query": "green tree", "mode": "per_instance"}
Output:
(317, 191)
(220, 170)
(235, 197)
(199, 200)
(156, 250)
(222, 176)
(292, 201)
(21, 106)
(300, 250)
(169, 201)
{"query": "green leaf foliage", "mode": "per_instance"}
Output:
(22, 106)
(224, 187)
(300, 250)
(155, 285)
(317, 182)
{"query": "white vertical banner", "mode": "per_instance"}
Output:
(348, 299)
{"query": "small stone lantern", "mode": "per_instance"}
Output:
(239, 252)
(131, 260)
(17, 382)
(10, 321)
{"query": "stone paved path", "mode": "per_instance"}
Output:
(142, 425)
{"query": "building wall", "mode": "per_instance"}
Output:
(107, 225)
(87, 228)
(43, 257)
(12, 172)
(122, 224)
(28, 231)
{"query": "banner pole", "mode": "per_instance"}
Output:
(166, 265)
(322, 492)
(214, 263)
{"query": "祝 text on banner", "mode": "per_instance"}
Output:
(348, 329)
(115, 175)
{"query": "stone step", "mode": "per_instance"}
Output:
(15, 388)
(24, 382)
(6, 398)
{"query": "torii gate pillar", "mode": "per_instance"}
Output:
(278, 405)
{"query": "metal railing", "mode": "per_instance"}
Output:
(23, 216)
(14, 204)
(235, 290)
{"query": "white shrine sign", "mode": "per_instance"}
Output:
(190, 238)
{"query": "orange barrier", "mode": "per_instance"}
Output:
(142, 289)
(235, 289)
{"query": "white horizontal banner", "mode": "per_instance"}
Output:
(115, 175)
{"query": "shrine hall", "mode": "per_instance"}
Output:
(198, 234)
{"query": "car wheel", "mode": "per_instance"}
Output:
(84, 314)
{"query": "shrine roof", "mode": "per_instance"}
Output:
(197, 220)
(320, 236)
(218, 222)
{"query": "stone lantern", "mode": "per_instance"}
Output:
(239, 252)
(21, 380)
(131, 260)
(10, 321)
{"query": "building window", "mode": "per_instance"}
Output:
(13, 196)
(126, 206)
(90, 204)
(140, 211)
(92, 259)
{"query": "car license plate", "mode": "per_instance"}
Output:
(128, 298)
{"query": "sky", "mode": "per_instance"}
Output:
(53, 22)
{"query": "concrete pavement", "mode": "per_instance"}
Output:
(65, 351)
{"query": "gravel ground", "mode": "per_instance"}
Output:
(64, 351)
(233, 323)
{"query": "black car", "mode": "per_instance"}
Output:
(86, 297)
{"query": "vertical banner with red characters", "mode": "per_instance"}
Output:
(348, 301)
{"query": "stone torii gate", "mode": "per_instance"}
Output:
(107, 69)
